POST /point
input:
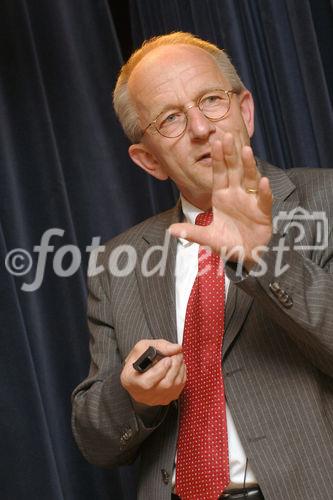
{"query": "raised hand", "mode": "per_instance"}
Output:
(241, 203)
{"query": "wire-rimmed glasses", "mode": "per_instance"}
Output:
(172, 122)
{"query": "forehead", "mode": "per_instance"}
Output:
(173, 74)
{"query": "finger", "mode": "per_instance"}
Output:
(169, 380)
(251, 174)
(191, 232)
(265, 196)
(165, 347)
(220, 173)
(232, 159)
(181, 377)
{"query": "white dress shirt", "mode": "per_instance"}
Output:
(186, 271)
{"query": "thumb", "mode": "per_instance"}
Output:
(165, 347)
(190, 232)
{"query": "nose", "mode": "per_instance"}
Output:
(199, 127)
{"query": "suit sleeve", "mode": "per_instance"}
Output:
(297, 292)
(107, 426)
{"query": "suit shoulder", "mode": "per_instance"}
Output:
(304, 175)
(313, 186)
(126, 244)
(135, 234)
(313, 183)
(300, 176)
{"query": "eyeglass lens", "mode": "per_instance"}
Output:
(214, 105)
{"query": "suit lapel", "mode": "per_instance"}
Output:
(239, 302)
(158, 289)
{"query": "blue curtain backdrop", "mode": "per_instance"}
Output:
(64, 165)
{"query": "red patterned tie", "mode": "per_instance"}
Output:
(202, 470)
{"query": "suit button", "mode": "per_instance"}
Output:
(287, 302)
(126, 435)
(165, 476)
(275, 287)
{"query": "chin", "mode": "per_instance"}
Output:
(203, 194)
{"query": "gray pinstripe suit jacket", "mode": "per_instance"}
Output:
(277, 360)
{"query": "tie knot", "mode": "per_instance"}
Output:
(204, 218)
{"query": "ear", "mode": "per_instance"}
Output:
(140, 154)
(247, 109)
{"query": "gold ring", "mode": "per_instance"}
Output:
(251, 191)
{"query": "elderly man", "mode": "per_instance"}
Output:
(239, 402)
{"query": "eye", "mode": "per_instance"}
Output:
(170, 119)
(212, 100)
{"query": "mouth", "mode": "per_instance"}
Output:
(205, 158)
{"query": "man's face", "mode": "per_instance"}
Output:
(177, 76)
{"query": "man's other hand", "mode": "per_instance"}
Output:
(160, 384)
